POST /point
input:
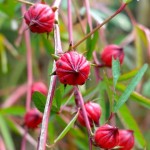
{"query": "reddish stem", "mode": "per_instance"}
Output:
(87, 5)
(29, 73)
(29, 63)
(15, 96)
(99, 26)
(58, 49)
(80, 102)
(70, 22)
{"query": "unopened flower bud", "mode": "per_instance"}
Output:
(93, 111)
(110, 52)
(72, 68)
(40, 18)
(106, 136)
(39, 87)
(126, 139)
(32, 118)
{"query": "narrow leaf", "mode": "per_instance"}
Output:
(6, 134)
(115, 71)
(91, 43)
(15, 110)
(68, 127)
(135, 96)
(39, 101)
(129, 122)
(124, 97)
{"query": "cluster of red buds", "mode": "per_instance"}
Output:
(109, 137)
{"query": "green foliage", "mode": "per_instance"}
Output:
(14, 110)
(115, 71)
(6, 134)
(68, 127)
(124, 97)
(91, 43)
(129, 122)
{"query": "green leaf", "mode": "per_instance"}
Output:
(15, 110)
(91, 43)
(124, 97)
(6, 134)
(127, 1)
(68, 127)
(39, 101)
(110, 93)
(128, 75)
(129, 122)
(135, 96)
(115, 71)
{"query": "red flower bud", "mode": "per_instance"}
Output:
(39, 87)
(112, 51)
(72, 68)
(32, 118)
(106, 136)
(40, 18)
(126, 139)
(93, 112)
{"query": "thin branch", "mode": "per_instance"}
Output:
(58, 49)
(99, 26)
(15, 96)
(70, 22)
(87, 5)
(25, 2)
(29, 63)
(80, 100)
(29, 74)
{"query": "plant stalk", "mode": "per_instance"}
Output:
(99, 26)
(70, 22)
(87, 5)
(79, 97)
(58, 49)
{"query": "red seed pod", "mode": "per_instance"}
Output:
(126, 139)
(32, 118)
(40, 18)
(72, 68)
(93, 112)
(39, 87)
(112, 51)
(106, 136)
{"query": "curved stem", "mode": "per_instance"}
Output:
(79, 97)
(99, 26)
(58, 49)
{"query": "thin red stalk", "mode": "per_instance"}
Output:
(21, 131)
(99, 26)
(46, 115)
(23, 143)
(81, 104)
(87, 5)
(98, 78)
(29, 74)
(79, 17)
(70, 22)
(29, 63)
(15, 96)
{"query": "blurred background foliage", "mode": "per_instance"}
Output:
(13, 72)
